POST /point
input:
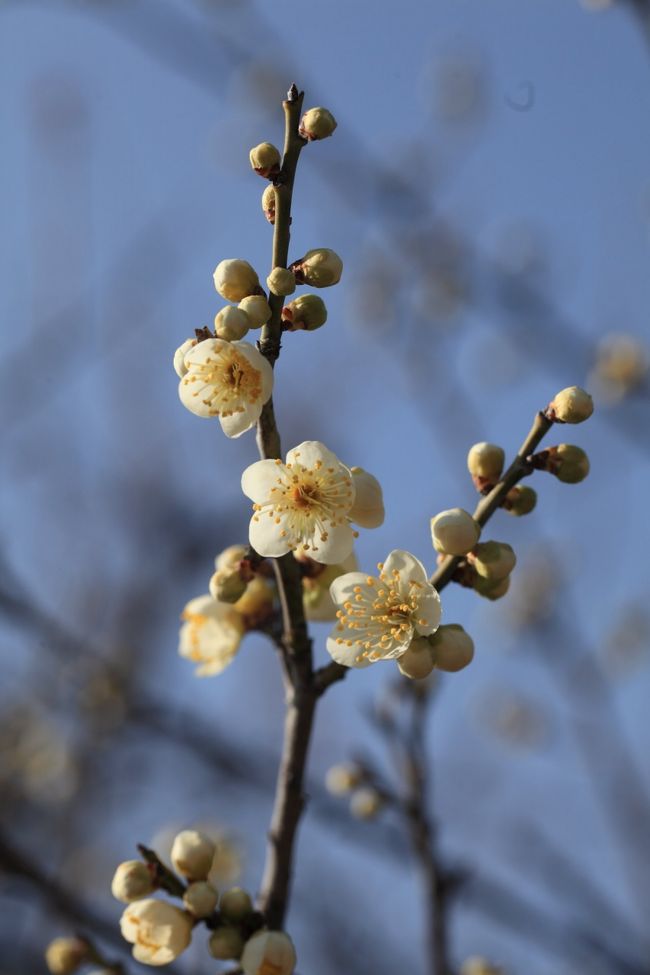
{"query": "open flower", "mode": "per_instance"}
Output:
(231, 380)
(158, 931)
(210, 635)
(378, 617)
(304, 503)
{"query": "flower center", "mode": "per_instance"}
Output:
(226, 382)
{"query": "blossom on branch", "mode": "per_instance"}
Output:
(379, 616)
(210, 635)
(158, 931)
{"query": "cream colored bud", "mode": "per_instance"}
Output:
(192, 854)
(365, 803)
(257, 308)
(571, 405)
(131, 881)
(268, 953)
(317, 123)
(235, 904)
(226, 943)
(200, 899)
(454, 532)
(570, 463)
(179, 357)
(257, 602)
(418, 661)
(493, 560)
(307, 313)
(368, 508)
(158, 931)
(63, 956)
(231, 324)
(452, 648)
(319, 268)
(520, 500)
(486, 460)
(265, 159)
(281, 281)
(227, 585)
(230, 557)
(342, 779)
(268, 203)
(491, 590)
(235, 279)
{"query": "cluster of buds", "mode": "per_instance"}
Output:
(450, 649)
(351, 779)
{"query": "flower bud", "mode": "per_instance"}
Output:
(454, 532)
(227, 585)
(493, 560)
(226, 943)
(235, 279)
(230, 557)
(418, 661)
(319, 268)
(365, 803)
(257, 308)
(569, 464)
(257, 602)
(192, 854)
(520, 500)
(571, 405)
(132, 880)
(268, 203)
(200, 899)
(307, 312)
(486, 460)
(317, 123)
(452, 648)
(489, 589)
(265, 159)
(281, 281)
(342, 779)
(235, 904)
(368, 508)
(231, 324)
(158, 931)
(179, 357)
(268, 953)
(63, 956)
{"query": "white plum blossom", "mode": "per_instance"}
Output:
(268, 953)
(210, 635)
(303, 503)
(231, 380)
(379, 616)
(158, 931)
(179, 357)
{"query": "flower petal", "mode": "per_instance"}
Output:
(333, 547)
(343, 587)
(410, 569)
(265, 535)
(237, 423)
(310, 452)
(258, 480)
(191, 390)
(429, 610)
(258, 362)
(348, 655)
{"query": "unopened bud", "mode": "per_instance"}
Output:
(307, 312)
(230, 557)
(365, 803)
(235, 279)
(268, 203)
(231, 324)
(317, 123)
(63, 956)
(268, 953)
(342, 779)
(235, 904)
(489, 589)
(179, 357)
(227, 585)
(569, 464)
(192, 854)
(571, 405)
(265, 159)
(368, 508)
(454, 532)
(132, 880)
(281, 281)
(520, 500)
(418, 661)
(452, 648)
(200, 899)
(319, 268)
(486, 460)
(257, 308)
(226, 943)
(493, 560)
(257, 602)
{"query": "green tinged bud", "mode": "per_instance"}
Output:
(490, 589)
(227, 585)
(319, 268)
(306, 312)
(571, 405)
(569, 464)
(226, 943)
(451, 647)
(493, 561)
(235, 904)
(418, 661)
(520, 500)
